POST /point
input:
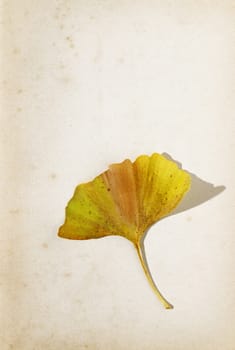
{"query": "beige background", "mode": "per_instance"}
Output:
(85, 84)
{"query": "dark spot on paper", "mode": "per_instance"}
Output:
(109, 189)
(65, 80)
(45, 245)
(70, 41)
(16, 51)
(67, 274)
(10, 252)
(19, 91)
(121, 60)
(19, 109)
(189, 218)
(53, 176)
(33, 167)
(14, 211)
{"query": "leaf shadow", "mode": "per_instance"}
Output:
(199, 193)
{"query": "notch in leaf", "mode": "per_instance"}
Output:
(126, 200)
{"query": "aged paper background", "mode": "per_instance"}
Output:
(85, 84)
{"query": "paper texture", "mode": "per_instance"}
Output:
(85, 84)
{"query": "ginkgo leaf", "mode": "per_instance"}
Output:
(126, 200)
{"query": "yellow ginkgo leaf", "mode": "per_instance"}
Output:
(126, 200)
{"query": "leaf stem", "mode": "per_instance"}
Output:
(165, 303)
